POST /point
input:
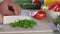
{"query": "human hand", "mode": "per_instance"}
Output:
(10, 8)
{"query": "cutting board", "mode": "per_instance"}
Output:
(42, 26)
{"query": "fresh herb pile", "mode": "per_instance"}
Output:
(24, 23)
(57, 20)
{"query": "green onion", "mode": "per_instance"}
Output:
(24, 23)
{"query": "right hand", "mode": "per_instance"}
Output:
(4, 9)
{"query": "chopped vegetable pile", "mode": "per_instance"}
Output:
(24, 23)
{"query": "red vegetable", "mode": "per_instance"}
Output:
(58, 9)
(40, 15)
(52, 5)
(55, 7)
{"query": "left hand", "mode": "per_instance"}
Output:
(4, 7)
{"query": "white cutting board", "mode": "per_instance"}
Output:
(42, 26)
(10, 19)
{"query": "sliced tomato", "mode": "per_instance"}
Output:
(40, 15)
(55, 8)
(53, 5)
(58, 9)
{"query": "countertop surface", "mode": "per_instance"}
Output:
(42, 26)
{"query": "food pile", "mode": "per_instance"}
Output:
(24, 23)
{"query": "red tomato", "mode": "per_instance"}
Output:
(58, 9)
(55, 8)
(53, 5)
(40, 15)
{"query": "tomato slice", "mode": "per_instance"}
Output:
(40, 15)
(52, 5)
(55, 7)
(58, 9)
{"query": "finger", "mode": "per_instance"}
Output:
(16, 9)
(1, 18)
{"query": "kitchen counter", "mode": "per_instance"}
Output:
(50, 27)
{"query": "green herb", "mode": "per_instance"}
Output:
(24, 23)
